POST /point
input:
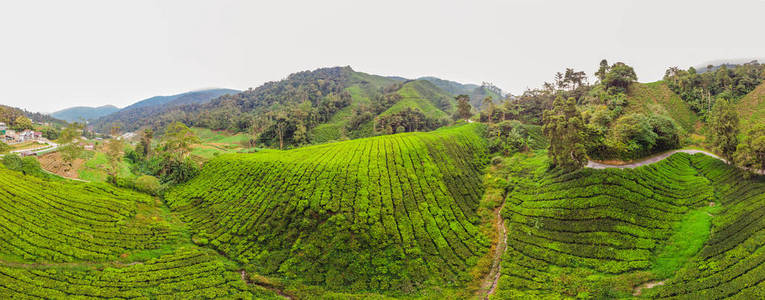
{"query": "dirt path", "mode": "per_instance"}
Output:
(653, 159)
(639, 289)
(265, 286)
(490, 283)
(647, 161)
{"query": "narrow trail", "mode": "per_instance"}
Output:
(265, 286)
(492, 278)
(647, 161)
(654, 159)
(639, 289)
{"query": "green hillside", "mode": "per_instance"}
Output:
(64, 239)
(751, 108)
(600, 233)
(362, 87)
(64, 221)
(656, 97)
(423, 95)
(387, 214)
(730, 265)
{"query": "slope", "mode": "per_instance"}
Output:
(751, 108)
(599, 233)
(362, 87)
(656, 97)
(393, 214)
(52, 221)
(75, 114)
(424, 96)
(64, 239)
(732, 263)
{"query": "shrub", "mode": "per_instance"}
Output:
(148, 184)
(12, 162)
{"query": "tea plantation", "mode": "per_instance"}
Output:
(392, 213)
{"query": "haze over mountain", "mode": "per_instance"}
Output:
(151, 107)
(77, 113)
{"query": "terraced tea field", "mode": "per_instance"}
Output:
(601, 233)
(391, 213)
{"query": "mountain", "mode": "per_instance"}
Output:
(74, 114)
(729, 63)
(8, 115)
(143, 113)
(321, 105)
(476, 92)
(452, 87)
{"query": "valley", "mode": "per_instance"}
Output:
(338, 184)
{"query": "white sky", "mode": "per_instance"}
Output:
(57, 54)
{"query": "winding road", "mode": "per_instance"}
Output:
(654, 159)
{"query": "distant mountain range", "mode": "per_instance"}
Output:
(142, 112)
(78, 113)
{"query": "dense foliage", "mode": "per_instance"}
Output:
(564, 128)
(394, 214)
(701, 90)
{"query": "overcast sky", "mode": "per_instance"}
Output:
(57, 54)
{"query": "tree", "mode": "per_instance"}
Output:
(22, 123)
(488, 107)
(619, 78)
(70, 149)
(602, 70)
(178, 140)
(145, 142)
(724, 125)
(463, 107)
(114, 153)
(750, 154)
(563, 126)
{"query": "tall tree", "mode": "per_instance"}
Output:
(750, 153)
(619, 78)
(114, 149)
(602, 70)
(70, 149)
(488, 107)
(463, 107)
(563, 126)
(725, 128)
(145, 142)
(22, 123)
(178, 140)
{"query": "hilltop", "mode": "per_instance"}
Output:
(658, 98)
(389, 214)
(78, 113)
(751, 108)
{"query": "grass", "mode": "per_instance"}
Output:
(690, 236)
(94, 169)
(751, 108)
(216, 142)
(656, 97)
(421, 95)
